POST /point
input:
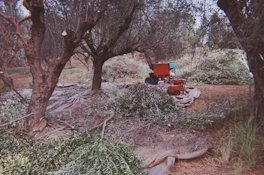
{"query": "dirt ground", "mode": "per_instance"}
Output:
(141, 132)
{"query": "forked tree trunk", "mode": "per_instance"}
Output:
(97, 76)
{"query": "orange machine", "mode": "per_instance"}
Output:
(160, 72)
(165, 71)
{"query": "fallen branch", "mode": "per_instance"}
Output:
(101, 124)
(18, 119)
(51, 132)
(62, 85)
(104, 125)
(66, 123)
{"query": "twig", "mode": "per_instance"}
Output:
(17, 27)
(101, 124)
(24, 19)
(52, 132)
(104, 125)
(66, 123)
(8, 123)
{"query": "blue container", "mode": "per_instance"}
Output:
(172, 65)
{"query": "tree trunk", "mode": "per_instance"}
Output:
(97, 76)
(259, 100)
(256, 65)
(38, 104)
(37, 107)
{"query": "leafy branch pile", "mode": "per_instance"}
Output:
(82, 154)
(150, 103)
(225, 68)
(147, 102)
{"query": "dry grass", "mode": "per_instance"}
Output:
(226, 148)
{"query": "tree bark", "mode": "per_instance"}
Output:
(257, 68)
(97, 77)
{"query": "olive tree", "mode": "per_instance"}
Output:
(247, 20)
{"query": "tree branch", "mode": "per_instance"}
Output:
(122, 28)
(231, 9)
(83, 27)
(24, 19)
(17, 27)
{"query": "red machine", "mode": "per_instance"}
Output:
(177, 88)
(160, 72)
(165, 72)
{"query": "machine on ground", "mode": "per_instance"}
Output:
(165, 72)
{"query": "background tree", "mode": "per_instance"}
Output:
(220, 34)
(9, 46)
(102, 42)
(129, 26)
(247, 20)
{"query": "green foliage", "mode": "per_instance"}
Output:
(81, 154)
(148, 102)
(15, 165)
(11, 109)
(145, 101)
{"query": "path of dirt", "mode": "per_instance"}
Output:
(216, 94)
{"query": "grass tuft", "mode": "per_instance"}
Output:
(226, 148)
(244, 136)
